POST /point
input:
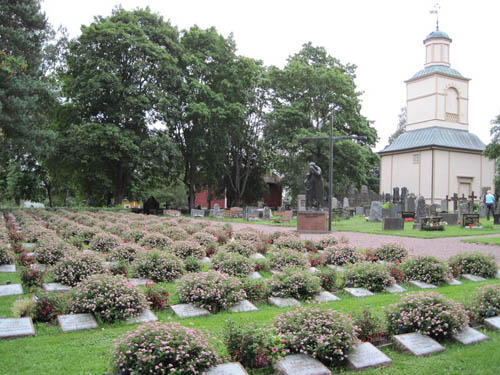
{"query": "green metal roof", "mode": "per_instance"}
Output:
(437, 34)
(443, 69)
(436, 136)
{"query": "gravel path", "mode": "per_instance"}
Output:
(441, 248)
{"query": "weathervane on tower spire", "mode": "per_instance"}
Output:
(436, 12)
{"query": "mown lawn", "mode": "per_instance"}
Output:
(89, 352)
(486, 241)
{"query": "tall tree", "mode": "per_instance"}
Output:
(122, 71)
(492, 150)
(303, 94)
(401, 128)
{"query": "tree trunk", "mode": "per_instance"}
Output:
(49, 194)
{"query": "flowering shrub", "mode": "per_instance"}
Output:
(327, 242)
(158, 266)
(294, 283)
(51, 251)
(327, 278)
(343, 254)
(247, 235)
(134, 235)
(163, 348)
(15, 236)
(211, 290)
(389, 252)
(475, 264)
(485, 303)
(425, 268)
(205, 239)
(104, 242)
(428, 313)
(184, 249)
(251, 345)
(126, 252)
(157, 296)
(289, 242)
(77, 267)
(310, 246)
(192, 264)
(372, 276)
(175, 233)
(370, 327)
(110, 298)
(152, 240)
(232, 264)
(5, 255)
(256, 289)
(245, 248)
(262, 264)
(316, 259)
(325, 335)
(31, 277)
(280, 259)
(48, 306)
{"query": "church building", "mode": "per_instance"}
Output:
(437, 156)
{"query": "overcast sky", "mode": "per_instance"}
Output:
(383, 38)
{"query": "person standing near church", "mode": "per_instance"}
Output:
(489, 199)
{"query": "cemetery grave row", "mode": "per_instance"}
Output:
(72, 228)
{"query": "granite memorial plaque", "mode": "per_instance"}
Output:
(469, 336)
(394, 223)
(234, 368)
(140, 282)
(254, 276)
(324, 297)
(454, 282)
(360, 211)
(421, 211)
(144, 317)
(473, 278)
(205, 260)
(8, 268)
(450, 218)
(358, 292)
(11, 290)
(187, 310)
(422, 285)
(243, 306)
(395, 289)
(283, 302)
(336, 268)
(76, 322)
(257, 256)
(313, 270)
(418, 344)
(39, 267)
(300, 364)
(375, 211)
(197, 213)
(493, 324)
(12, 327)
(366, 355)
(56, 287)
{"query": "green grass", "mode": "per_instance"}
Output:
(486, 241)
(89, 352)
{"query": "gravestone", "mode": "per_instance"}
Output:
(387, 197)
(470, 220)
(394, 210)
(473, 278)
(345, 203)
(463, 208)
(243, 306)
(404, 194)
(375, 212)
(283, 302)
(144, 317)
(410, 203)
(300, 364)
(313, 270)
(250, 213)
(450, 218)
(469, 336)
(233, 368)
(365, 195)
(418, 344)
(257, 256)
(56, 287)
(139, 282)
(358, 292)
(335, 203)
(394, 224)
(301, 202)
(433, 209)
(395, 195)
(197, 213)
(395, 289)
(12, 328)
(325, 296)
(422, 285)
(254, 276)
(493, 324)
(8, 268)
(266, 213)
(453, 282)
(11, 290)
(496, 218)
(187, 310)
(76, 322)
(483, 209)
(151, 206)
(360, 211)
(444, 205)
(39, 267)
(420, 211)
(205, 260)
(366, 355)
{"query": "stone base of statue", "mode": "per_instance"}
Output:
(312, 221)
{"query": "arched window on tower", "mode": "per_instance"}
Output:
(452, 113)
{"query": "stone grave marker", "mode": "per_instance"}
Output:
(433, 209)
(335, 203)
(375, 212)
(8, 268)
(76, 322)
(267, 213)
(301, 202)
(336, 268)
(300, 364)
(444, 205)
(187, 310)
(283, 302)
(243, 306)
(358, 292)
(145, 317)
(139, 282)
(205, 260)
(255, 276)
(233, 368)
(454, 282)
(463, 208)
(498, 274)
(28, 245)
(12, 327)
(11, 290)
(197, 213)
(394, 223)
(313, 270)
(421, 211)
(493, 324)
(422, 285)
(417, 344)
(360, 211)
(474, 278)
(325, 296)
(410, 203)
(39, 267)
(56, 287)
(366, 355)
(469, 336)
(450, 218)
(257, 256)
(395, 289)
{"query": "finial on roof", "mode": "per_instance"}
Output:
(436, 12)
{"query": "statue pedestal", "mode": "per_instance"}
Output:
(312, 221)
